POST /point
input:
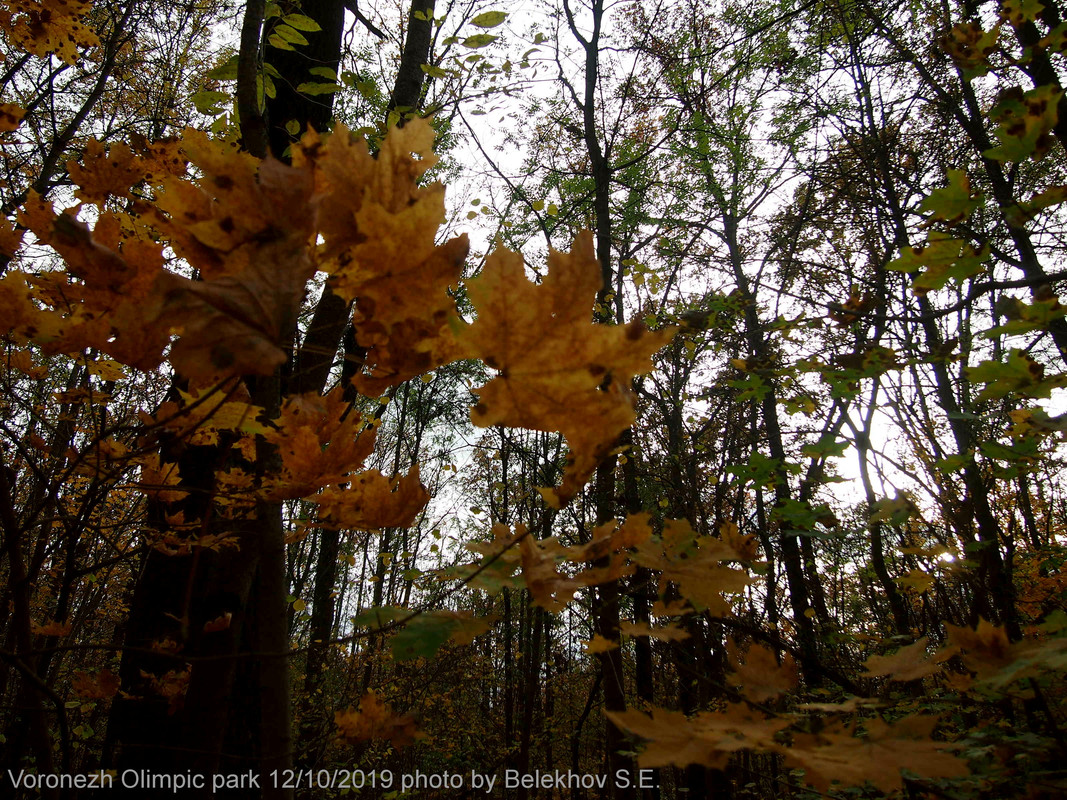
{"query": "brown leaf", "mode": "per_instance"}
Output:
(88, 686)
(52, 628)
(760, 675)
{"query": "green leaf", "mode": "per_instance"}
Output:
(1022, 449)
(434, 72)
(826, 446)
(1020, 374)
(951, 463)
(324, 72)
(896, 511)
(479, 40)
(226, 71)
(944, 259)
(278, 42)
(207, 102)
(954, 202)
(318, 88)
(1025, 121)
(292, 127)
(490, 19)
(290, 34)
(272, 10)
(301, 22)
(422, 637)
(1019, 12)
(800, 516)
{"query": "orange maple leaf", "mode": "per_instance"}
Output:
(375, 720)
(557, 370)
(52, 628)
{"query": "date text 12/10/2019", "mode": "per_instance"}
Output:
(511, 779)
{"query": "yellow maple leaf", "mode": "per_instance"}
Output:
(837, 754)
(708, 738)
(598, 644)
(907, 664)
(105, 173)
(378, 227)
(666, 633)
(10, 116)
(695, 563)
(320, 441)
(44, 27)
(557, 370)
(548, 588)
(373, 501)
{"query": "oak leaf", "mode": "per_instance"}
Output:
(557, 370)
